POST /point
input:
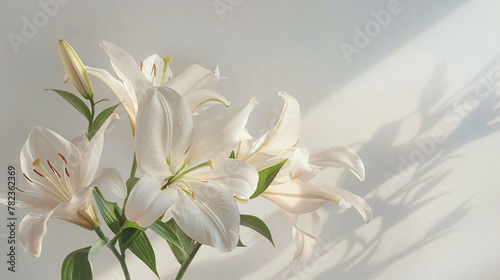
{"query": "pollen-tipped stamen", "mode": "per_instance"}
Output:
(166, 62)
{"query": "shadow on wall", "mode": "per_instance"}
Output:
(404, 179)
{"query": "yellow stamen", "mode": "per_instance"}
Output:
(212, 164)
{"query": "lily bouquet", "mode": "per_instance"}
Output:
(193, 173)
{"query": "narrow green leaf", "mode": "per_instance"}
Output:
(232, 155)
(99, 120)
(266, 177)
(179, 254)
(128, 232)
(76, 266)
(110, 212)
(75, 101)
(256, 224)
(131, 183)
(240, 244)
(142, 248)
(104, 99)
(163, 230)
(187, 243)
(95, 248)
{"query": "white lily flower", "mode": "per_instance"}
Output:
(293, 189)
(61, 175)
(187, 169)
(192, 84)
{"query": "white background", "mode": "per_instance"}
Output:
(431, 70)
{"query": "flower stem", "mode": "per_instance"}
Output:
(111, 246)
(134, 167)
(92, 107)
(187, 262)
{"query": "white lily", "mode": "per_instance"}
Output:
(192, 84)
(61, 175)
(187, 169)
(294, 189)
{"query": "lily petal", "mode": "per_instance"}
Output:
(32, 229)
(147, 202)
(342, 157)
(127, 69)
(28, 201)
(300, 170)
(305, 230)
(112, 180)
(239, 177)
(193, 79)
(163, 132)
(128, 99)
(286, 132)
(211, 217)
(152, 68)
(203, 99)
(218, 136)
(298, 198)
(360, 204)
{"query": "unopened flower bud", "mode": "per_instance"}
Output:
(75, 70)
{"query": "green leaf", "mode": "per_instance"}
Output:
(104, 99)
(186, 242)
(256, 224)
(75, 101)
(266, 177)
(95, 248)
(131, 183)
(110, 212)
(240, 244)
(99, 121)
(163, 230)
(142, 248)
(76, 266)
(128, 232)
(232, 155)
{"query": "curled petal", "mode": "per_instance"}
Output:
(305, 230)
(193, 79)
(32, 229)
(147, 202)
(218, 136)
(300, 170)
(360, 204)
(342, 157)
(204, 99)
(127, 98)
(163, 132)
(112, 180)
(30, 202)
(285, 134)
(211, 217)
(127, 69)
(239, 177)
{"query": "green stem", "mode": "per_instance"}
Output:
(92, 108)
(121, 258)
(187, 262)
(134, 168)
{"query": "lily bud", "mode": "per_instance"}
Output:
(75, 70)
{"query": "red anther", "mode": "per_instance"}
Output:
(20, 190)
(154, 69)
(187, 150)
(38, 173)
(53, 169)
(27, 178)
(67, 173)
(63, 158)
(192, 194)
(141, 66)
(296, 143)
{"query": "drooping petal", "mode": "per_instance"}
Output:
(285, 133)
(127, 69)
(298, 198)
(91, 152)
(48, 146)
(28, 201)
(193, 79)
(147, 202)
(305, 230)
(211, 217)
(300, 171)
(239, 177)
(218, 136)
(204, 99)
(360, 204)
(32, 229)
(112, 180)
(127, 98)
(342, 157)
(163, 132)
